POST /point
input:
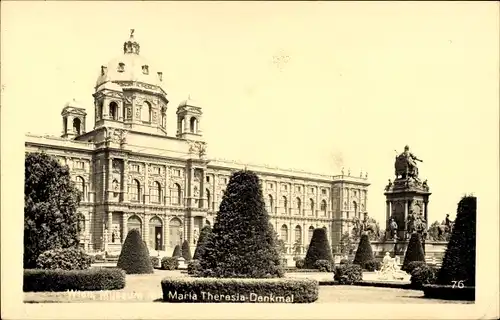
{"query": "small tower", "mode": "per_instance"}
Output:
(188, 120)
(74, 118)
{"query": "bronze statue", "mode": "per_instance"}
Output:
(389, 185)
(406, 164)
(417, 223)
(446, 226)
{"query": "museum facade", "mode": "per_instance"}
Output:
(132, 174)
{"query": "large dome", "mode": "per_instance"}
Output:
(130, 66)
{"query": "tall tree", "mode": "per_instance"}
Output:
(414, 251)
(186, 251)
(242, 243)
(364, 252)
(50, 207)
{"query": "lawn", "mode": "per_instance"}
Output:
(146, 288)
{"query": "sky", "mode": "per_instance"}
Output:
(311, 85)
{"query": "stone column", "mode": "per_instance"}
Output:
(388, 213)
(109, 185)
(146, 183)
(125, 181)
(191, 231)
(165, 234)
(304, 239)
(426, 208)
(109, 224)
(145, 228)
(124, 226)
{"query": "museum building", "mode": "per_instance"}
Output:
(132, 174)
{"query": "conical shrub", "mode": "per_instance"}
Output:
(242, 243)
(414, 251)
(186, 251)
(202, 242)
(134, 257)
(319, 249)
(364, 253)
(459, 262)
(177, 251)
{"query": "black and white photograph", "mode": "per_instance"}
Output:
(250, 160)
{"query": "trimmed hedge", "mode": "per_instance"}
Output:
(64, 259)
(344, 261)
(364, 252)
(177, 251)
(324, 265)
(423, 275)
(212, 290)
(348, 273)
(155, 261)
(299, 263)
(449, 292)
(169, 263)
(38, 280)
(459, 262)
(414, 251)
(134, 257)
(413, 265)
(186, 251)
(372, 265)
(319, 249)
(194, 268)
(243, 243)
(202, 242)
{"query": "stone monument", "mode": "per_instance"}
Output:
(407, 199)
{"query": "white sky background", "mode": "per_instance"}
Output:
(362, 79)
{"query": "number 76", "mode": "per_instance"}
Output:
(459, 284)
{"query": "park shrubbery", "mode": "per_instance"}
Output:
(50, 207)
(64, 259)
(202, 242)
(194, 268)
(459, 262)
(348, 273)
(324, 265)
(413, 265)
(155, 261)
(344, 261)
(371, 265)
(299, 263)
(243, 243)
(414, 252)
(422, 275)
(319, 249)
(239, 290)
(177, 251)
(134, 257)
(169, 263)
(36, 280)
(364, 252)
(186, 251)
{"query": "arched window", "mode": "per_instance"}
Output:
(100, 109)
(310, 233)
(65, 125)
(285, 204)
(77, 125)
(209, 200)
(134, 222)
(298, 234)
(175, 232)
(155, 233)
(284, 233)
(80, 185)
(271, 203)
(113, 110)
(146, 112)
(311, 204)
(155, 192)
(193, 125)
(135, 190)
(355, 208)
(299, 204)
(176, 194)
(323, 207)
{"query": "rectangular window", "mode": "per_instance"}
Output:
(156, 170)
(134, 167)
(177, 173)
(323, 192)
(208, 178)
(298, 189)
(79, 164)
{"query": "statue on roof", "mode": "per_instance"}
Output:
(406, 164)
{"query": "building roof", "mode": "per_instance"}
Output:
(129, 66)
